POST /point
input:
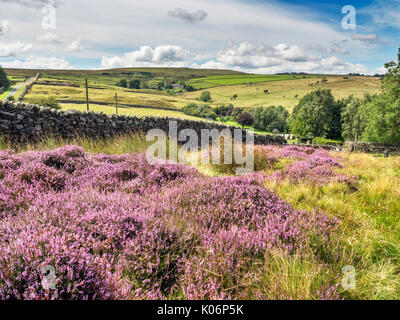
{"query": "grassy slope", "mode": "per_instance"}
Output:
(370, 230)
(181, 73)
(226, 80)
(138, 112)
(225, 83)
(284, 92)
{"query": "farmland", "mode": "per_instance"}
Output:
(228, 80)
(68, 87)
(287, 93)
(127, 111)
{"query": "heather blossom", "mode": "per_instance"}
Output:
(117, 227)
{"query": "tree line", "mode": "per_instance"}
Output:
(4, 81)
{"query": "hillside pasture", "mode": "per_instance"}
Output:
(287, 93)
(228, 80)
(106, 94)
(129, 111)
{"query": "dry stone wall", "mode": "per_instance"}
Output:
(373, 148)
(21, 122)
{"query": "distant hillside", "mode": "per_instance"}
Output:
(179, 73)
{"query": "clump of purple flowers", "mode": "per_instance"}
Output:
(116, 227)
(315, 166)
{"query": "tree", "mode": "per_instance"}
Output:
(353, 123)
(122, 83)
(245, 119)
(317, 115)
(160, 85)
(382, 113)
(224, 110)
(4, 82)
(203, 111)
(144, 85)
(188, 87)
(205, 96)
(134, 84)
(271, 118)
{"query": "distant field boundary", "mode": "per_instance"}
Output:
(21, 122)
(121, 104)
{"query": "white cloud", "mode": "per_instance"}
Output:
(4, 27)
(35, 62)
(366, 38)
(33, 3)
(185, 15)
(385, 12)
(75, 45)
(146, 56)
(381, 70)
(333, 48)
(13, 49)
(262, 58)
(51, 38)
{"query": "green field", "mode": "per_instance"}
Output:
(68, 86)
(127, 111)
(180, 73)
(228, 80)
(287, 93)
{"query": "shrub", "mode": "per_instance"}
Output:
(203, 111)
(49, 102)
(134, 84)
(224, 110)
(122, 83)
(245, 119)
(205, 96)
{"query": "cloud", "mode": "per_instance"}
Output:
(146, 56)
(366, 38)
(75, 46)
(183, 14)
(334, 48)
(251, 55)
(13, 49)
(381, 70)
(4, 27)
(385, 12)
(35, 62)
(263, 58)
(33, 3)
(50, 38)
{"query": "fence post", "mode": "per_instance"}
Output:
(87, 95)
(116, 103)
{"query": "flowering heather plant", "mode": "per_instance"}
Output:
(313, 166)
(116, 227)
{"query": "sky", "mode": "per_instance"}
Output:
(254, 36)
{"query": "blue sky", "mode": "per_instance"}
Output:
(256, 36)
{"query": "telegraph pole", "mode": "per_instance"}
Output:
(116, 103)
(87, 95)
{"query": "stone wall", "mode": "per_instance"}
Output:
(28, 87)
(21, 122)
(376, 148)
